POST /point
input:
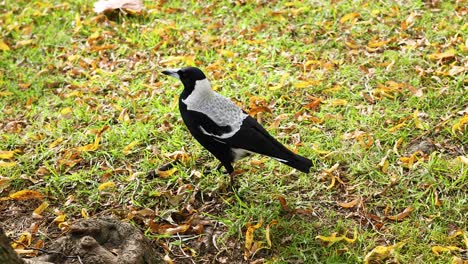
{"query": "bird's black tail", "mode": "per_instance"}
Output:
(298, 162)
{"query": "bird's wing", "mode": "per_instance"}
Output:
(253, 137)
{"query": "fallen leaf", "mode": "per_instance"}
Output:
(8, 154)
(179, 229)
(129, 148)
(26, 195)
(38, 211)
(4, 164)
(267, 231)
(84, 213)
(281, 83)
(380, 253)
(349, 17)
(401, 215)
(106, 185)
(337, 102)
(350, 204)
(130, 5)
(4, 46)
(444, 55)
(333, 238)
(249, 237)
(440, 249)
(166, 173)
(460, 125)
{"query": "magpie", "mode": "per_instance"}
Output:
(223, 128)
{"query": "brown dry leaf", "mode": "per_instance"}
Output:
(106, 185)
(129, 5)
(354, 134)
(168, 259)
(283, 203)
(401, 215)
(330, 240)
(249, 238)
(380, 253)
(314, 104)
(258, 105)
(38, 211)
(178, 229)
(278, 119)
(444, 55)
(129, 148)
(26, 195)
(350, 204)
(349, 17)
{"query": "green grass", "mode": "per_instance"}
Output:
(64, 56)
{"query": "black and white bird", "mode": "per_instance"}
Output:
(223, 128)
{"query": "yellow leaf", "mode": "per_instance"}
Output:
(106, 185)
(226, 53)
(347, 17)
(4, 46)
(440, 249)
(95, 145)
(337, 102)
(38, 211)
(7, 164)
(8, 154)
(281, 82)
(460, 125)
(417, 122)
(397, 127)
(55, 143)
(173, 60)
(267, 231)
(444, 55)
(26, 195)
(249, 234)
(350, 204)
(179, 229)
(166, 173)
(381, 252)
(60, 218)
(128, 149)
(84, 213)
(304, 84)
(333, 238)
(23, 43)
(5, 93)
(66, 111)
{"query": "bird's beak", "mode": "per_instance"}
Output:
(172, 73)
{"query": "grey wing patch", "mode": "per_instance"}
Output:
(221, 110)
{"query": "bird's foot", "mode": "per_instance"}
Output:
(232, 175)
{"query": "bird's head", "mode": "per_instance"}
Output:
(189, 76)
